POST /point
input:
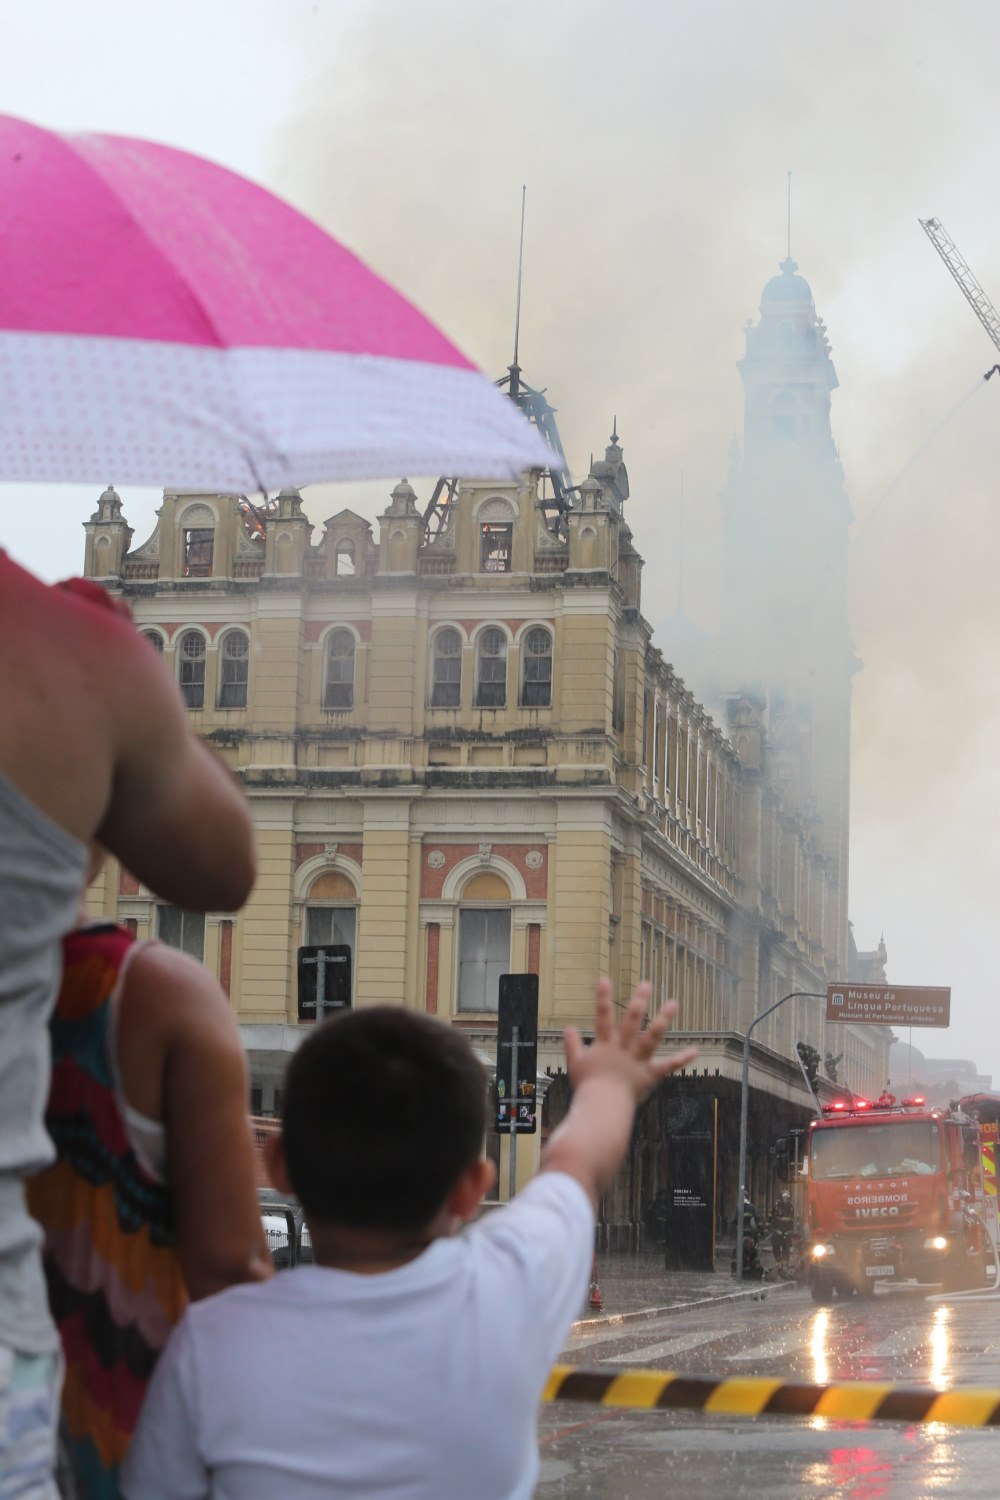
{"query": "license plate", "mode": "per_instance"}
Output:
(880, 1270)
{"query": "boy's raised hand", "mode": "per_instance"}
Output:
(609, 1078)
(625, 1049)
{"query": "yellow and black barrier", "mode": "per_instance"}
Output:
(853, 1401)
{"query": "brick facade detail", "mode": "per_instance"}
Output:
(432, 880)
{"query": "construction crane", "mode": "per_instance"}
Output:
(972, 291)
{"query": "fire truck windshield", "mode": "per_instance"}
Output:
(874, 1150)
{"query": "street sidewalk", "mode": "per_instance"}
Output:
(634, 1285)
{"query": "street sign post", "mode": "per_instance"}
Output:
(888, 1004)
(517, 1061)
(324, 980)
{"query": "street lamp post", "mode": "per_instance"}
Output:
(744, 1104)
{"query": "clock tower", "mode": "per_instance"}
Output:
(785, 634)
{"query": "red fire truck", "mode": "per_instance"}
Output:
(891, 1196)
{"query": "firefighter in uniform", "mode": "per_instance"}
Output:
(751, 1229)
(781, 1222)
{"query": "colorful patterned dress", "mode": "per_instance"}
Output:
(115, 1283)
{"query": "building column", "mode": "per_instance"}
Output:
(534, 947)
(630, 926)
(579, 902)
(383, 925)
(264, 970)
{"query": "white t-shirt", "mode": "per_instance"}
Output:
(416, 1384)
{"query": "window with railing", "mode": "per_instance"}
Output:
(446, 684)
(491, 669)
(338, 682)
(191, 668)
(234, 670)
(536, 669)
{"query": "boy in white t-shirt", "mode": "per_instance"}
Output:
(408, 1360)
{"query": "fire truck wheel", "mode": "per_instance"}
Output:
(821, 1289)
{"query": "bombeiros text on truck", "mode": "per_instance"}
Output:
(894, 1193)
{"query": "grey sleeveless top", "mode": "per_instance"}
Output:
(42, 871)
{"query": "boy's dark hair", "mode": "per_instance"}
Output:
(383, 1111)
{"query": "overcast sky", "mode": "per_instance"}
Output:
(654, 140)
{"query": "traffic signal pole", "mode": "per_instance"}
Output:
(744, 1106)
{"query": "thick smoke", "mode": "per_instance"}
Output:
(654, 141)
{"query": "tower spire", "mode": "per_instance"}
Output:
(789, 214)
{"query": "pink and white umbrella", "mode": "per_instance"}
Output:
(166, 322)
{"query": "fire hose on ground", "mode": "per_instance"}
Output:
(852, 1401)
(976, 1294)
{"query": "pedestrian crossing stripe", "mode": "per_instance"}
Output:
(853, 1401)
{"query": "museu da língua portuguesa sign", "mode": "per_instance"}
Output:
(889, 1004)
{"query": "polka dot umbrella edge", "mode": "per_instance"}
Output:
(165, 320)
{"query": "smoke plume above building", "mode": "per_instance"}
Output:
(654, 142)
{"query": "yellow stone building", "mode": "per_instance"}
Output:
(465, 756)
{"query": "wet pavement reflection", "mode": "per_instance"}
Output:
(899, 1336)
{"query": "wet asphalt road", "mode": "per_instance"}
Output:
(588, 1451)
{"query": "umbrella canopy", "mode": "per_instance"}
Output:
(167, 322)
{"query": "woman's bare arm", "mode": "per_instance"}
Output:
(174, 1011)
(95, 733)
(177, 816)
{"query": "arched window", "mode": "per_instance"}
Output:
(446, 685)
(495, 547)
(155, 639)
(235, 670)
(199, 546)
(344, 561)
(192, 668)
(536, 668)
(338, 684)
(496, 527)
(491, 675)
(483, 942)
(332, 914)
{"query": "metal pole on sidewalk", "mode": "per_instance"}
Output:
(744, 1107)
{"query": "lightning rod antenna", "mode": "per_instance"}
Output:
(680, 552)
(520, 266)
(789, 215)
